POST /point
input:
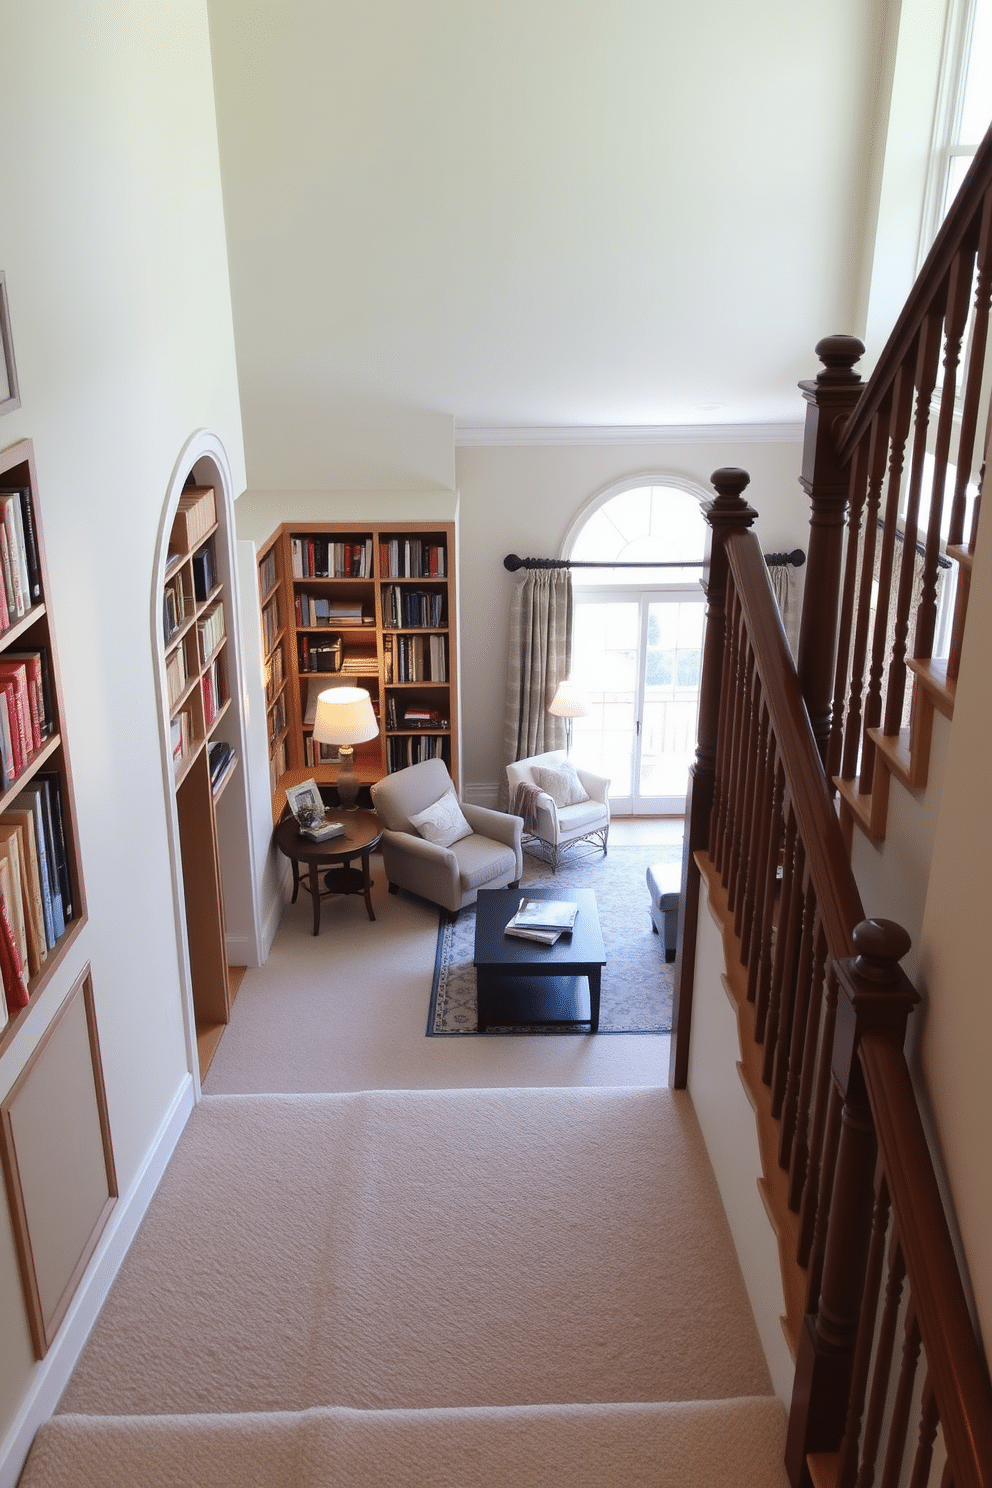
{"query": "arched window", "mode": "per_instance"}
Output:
(637, 639)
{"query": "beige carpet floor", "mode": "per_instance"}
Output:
(704, 1444)
(347, 1010)
(550, 1250)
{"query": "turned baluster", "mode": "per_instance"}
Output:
(873, 993)
(727, 514)
(830, 400)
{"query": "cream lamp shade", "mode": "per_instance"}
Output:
(568, 702)
(345, 717)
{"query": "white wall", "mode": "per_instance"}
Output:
(112, 239)
(954, 951)
(523, 500)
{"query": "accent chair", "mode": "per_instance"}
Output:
(561, 804)
(438, 847)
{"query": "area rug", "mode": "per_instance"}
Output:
(637, 981)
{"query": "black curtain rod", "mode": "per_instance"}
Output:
(513, 562)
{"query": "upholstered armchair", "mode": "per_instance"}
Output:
(561, 805)
(438, 847)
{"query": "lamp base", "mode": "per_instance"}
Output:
(347, 781)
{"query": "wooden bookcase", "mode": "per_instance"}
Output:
(360, 605)
(196, 621)
(33, 632)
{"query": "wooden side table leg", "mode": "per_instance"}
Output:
(314, 877)
(296, 879)
(367, 873)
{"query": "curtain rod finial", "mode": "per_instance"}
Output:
(512, 562)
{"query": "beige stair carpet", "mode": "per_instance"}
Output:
(400, 1251)
(706, 1444)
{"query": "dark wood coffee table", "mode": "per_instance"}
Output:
(362, 831)
(553, 991)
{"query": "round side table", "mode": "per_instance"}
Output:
(333, 859)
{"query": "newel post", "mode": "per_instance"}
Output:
(727, 514)
(830, 401)
(872, 993)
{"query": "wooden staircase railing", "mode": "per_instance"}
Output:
(891, 467)
(822, 1010)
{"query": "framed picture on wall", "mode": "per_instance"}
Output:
(10, 397)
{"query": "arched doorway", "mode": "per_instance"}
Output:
(637, 638)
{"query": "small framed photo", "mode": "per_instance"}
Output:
(10, 397)
(304, 800)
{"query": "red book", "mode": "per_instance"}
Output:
(383, 560)
(36, 695)
(15, 723)
(14, 986)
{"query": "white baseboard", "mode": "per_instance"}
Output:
(481, 793)
(51, 1374)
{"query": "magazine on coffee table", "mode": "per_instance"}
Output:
(543, 919)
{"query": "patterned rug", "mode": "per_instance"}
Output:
(637, 980)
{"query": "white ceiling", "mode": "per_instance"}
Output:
(538, 212)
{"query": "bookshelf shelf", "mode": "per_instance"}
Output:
(393, 613)
(196, 625)
(40, 874)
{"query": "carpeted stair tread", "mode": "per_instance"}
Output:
(702, 1444)
(552, 1246)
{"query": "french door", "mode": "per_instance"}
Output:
(637, 656)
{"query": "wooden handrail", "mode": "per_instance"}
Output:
(962, 223)
(827, 856)
(957, 1366)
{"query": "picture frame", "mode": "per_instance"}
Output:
(10, 395)
(304, 800)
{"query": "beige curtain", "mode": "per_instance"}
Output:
(540, 658)
(785, 587)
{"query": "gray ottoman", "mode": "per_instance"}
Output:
(665, 888)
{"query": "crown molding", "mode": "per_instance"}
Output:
(477, 435)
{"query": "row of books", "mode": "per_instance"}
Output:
(318, 609)
(181, 737)
(176, 605)
(35, 885)
(27, 717)
(270, 625)
(413, 716)
(274, 674)
(277, 766)
(411, 558)
(176, 675)
(321, 655)
(204, 572)
(20, 574)
(412, 608)
(418, 659)
(277, 718)
(212, 691)
(410, 749)
(325, 558)
(267, 572)
(195, 515)
(211, 629)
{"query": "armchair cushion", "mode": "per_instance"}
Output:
(561, 783)
(443, 822)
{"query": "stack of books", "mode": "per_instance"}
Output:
(543, 920)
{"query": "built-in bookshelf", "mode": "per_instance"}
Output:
(42, 908)
(369, 606)
(195, 626)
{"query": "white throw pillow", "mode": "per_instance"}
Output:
(443, 823)
(561, 783)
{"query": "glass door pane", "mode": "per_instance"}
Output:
(673, 653)
(605, 646)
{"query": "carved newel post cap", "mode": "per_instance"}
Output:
(838, 355)
(881, 945)
(729, 481)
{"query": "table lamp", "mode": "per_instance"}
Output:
(568, 702)
(345, 717)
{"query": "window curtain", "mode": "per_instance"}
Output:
(540, 658)
(785, 587)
